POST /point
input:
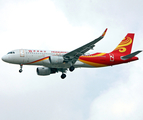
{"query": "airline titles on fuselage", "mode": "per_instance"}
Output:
(61, 53)
(44, 51)
(30, 51)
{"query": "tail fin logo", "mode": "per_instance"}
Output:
(122, 46)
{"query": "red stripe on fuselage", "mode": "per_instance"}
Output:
(39, 60)
(105, 59)
(99, 58)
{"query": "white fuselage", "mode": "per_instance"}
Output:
(38, 57)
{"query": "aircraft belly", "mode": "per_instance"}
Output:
(67, 65)
(62, 65)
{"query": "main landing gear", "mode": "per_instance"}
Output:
(71, 68)
(63, 76)
(21, 65)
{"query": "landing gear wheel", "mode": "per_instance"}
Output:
(20, 71)
(21, 65)
(71, 68)
(63, 76)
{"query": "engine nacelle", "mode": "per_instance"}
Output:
(46, 71)
(56, 59)
(43, 71)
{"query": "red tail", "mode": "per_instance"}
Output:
(125, 45)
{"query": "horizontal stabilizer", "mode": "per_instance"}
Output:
(130, 55)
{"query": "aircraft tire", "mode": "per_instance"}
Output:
(20, 71)
(63, 76)
(71, 68)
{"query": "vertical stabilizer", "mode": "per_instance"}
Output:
(125, 45)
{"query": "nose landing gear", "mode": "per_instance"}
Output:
(20, 71)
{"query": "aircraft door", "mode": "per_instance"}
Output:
(111, 57)
(22, 54)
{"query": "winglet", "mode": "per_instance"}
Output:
(104, 33)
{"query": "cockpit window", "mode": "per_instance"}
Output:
(11, 53)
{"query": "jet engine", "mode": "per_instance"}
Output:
(45, 71)
(56, 59)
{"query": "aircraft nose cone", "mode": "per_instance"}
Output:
(4, 58)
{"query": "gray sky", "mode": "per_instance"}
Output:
(111, 93)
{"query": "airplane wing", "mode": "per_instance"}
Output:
(75, 54)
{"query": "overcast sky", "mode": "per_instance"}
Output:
(111, 93)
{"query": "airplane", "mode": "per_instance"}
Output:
(61, 61)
